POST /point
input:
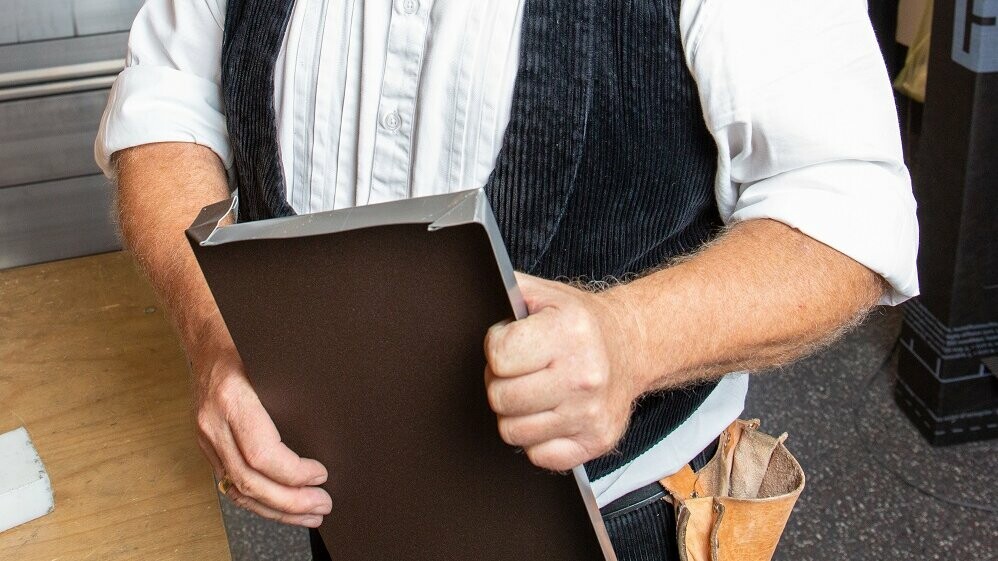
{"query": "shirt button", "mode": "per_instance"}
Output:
(392, 121)
(410, 6)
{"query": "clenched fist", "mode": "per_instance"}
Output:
(561, 380)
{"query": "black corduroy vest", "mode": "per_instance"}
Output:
(606, 167)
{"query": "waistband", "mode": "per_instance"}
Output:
(642, 526)
(652, 492)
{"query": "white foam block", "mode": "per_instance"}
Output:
(25, 490)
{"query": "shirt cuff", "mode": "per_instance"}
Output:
(862, 209)
(151, 104)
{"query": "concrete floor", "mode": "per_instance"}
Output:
(874, 486)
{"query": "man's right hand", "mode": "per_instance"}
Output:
(242, 443)
(161, 190)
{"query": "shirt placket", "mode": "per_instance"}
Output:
(399, 89)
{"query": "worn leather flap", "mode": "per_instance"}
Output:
(749, 529)
(736, 507)
(695, 523)
(751, 463)
(682, 484)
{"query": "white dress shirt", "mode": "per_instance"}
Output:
(379, 100)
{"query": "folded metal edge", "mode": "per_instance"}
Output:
(420, 210)
(585, 489)
(476, 209)
(208, 221)
(438, 212)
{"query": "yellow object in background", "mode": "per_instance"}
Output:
(909, 18)
(911, 80)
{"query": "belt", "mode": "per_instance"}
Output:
(642, 526)
(654, 490)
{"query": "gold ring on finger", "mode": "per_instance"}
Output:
(224, 485)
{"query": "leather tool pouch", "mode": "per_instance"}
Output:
(735, 508)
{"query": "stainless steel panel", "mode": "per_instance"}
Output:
(60, 73)
(56, 220)
(8, 23)
(55, 88)
(103, 16)
(49, 138)
(61, 52)
(44, 19)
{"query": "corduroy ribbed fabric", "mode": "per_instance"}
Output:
(645, 534)
(254, 31)
(606, 168)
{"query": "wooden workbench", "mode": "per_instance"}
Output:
(89, 365)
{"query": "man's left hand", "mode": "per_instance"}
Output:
(561, 381)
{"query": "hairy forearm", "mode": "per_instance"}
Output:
(161, 189)
(761, 295)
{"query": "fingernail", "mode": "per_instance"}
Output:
(322, 509)
(311, 521)
(317, 480)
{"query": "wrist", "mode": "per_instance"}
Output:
(652, 321)
(627, 336)
(207, 343)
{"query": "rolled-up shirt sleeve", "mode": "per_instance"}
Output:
(170, 89)
(798, 100)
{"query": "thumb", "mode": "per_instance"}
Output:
(537, 293)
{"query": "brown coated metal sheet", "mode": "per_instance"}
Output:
(362, 332)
